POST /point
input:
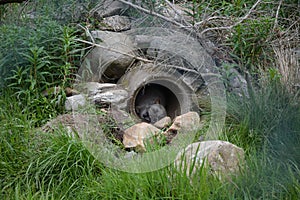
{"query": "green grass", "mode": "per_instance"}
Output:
(266, 125)
(35, 165)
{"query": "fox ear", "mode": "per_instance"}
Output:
(157, 101)
(138, 109)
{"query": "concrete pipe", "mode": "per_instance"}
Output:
(147, 83)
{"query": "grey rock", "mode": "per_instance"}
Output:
(115, 23)
(221, 158)
(92, 88)
(144, 41)
(75, 102)
(109, 62)
(109, 8)
(122, 118)
(75, 124)
(237, 83)
(111, 97)
(177, 13)
(130, 154)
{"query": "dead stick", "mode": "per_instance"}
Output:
(237, 23)
(153, 13)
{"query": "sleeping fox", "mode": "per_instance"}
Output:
(151, 112)
(150, 104)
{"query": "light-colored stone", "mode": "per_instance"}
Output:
(134, 136)
(184, 123)
(75, 102)
(220, 157)
(163, 123)
(110, 97)
(92, 88)
(115, 23)
(76, 124)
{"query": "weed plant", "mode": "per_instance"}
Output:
(266, 125)
(31, 69)
(36, 165)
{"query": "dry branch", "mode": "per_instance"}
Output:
(177, 12)
(277, 13)
(237, 23)
(188, 26)
(10, 1)
(153, 13)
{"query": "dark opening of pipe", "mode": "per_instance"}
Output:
(155, 93)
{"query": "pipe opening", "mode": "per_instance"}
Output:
(153, 93)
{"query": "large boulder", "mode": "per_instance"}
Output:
(75, 102)
(93, 88)
(76, 124)
(109, 8)
(113, 96)
(108, 61)
(221, 158)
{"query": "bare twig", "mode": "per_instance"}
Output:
(87, 32)
(209, 19)
(189, 27)
(277, 13)
(237, 23)
(114, 50)
(292, 25)
(23, 7)
(176, 12)
(153, 13)
(10, 1)
(185, 69)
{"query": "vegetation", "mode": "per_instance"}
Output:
(42, 52)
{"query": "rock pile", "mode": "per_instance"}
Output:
(114, 61)
(135, 136)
